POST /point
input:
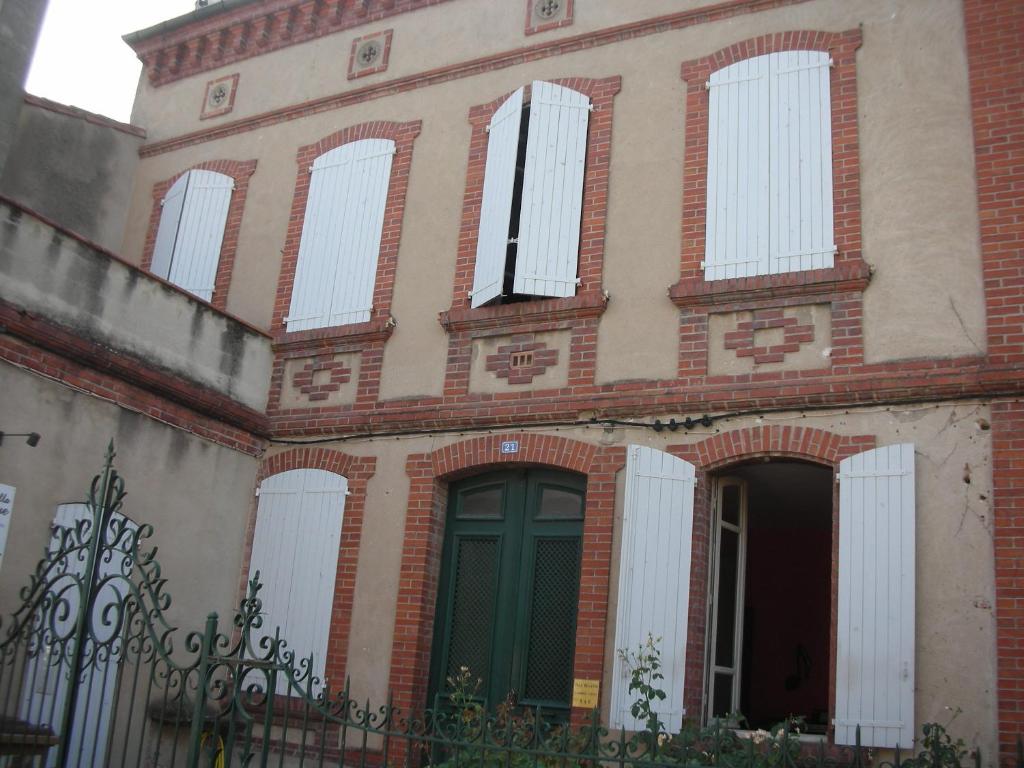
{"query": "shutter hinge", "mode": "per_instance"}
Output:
(513, 241)
(257, 492)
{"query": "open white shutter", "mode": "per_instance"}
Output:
(341, 231)
(801, 172)
(496, 207)
(201, 232)
(549, 223)
(167, 231)
(875, 642)
(654, 576)
(736, 241)
(295, 548)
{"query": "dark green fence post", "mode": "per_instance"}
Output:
(195, 737)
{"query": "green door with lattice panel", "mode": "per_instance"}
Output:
(509, 587)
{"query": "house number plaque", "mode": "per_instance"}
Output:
(584, 693)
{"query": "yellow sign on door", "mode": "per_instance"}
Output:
(584, 693)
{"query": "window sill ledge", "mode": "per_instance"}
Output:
(851, 277)
(522, 315)
(378, 329)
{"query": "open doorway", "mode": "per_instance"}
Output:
(771, 591)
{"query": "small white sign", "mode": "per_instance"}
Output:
(6, 510)
(510, 446)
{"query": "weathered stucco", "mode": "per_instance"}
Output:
(73, 170)
(109, 303)
(196, 494)
(955, 646)
(925, 295)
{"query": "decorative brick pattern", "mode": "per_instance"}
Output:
(429, 474)
(722, 450)
(745, 339)
(995, 57)
(520, 361)
(238, 170)
(369, 54)
(357, 470)
(542, 15)
(249, 31)
(219, 98)
(311, 381)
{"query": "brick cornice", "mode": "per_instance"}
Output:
(70, 345)
(502, 60)
(171, 51)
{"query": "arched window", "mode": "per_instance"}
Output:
(295, 549)
(769, 184)
(191, 232)
(341, 236)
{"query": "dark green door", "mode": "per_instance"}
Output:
(509, 587)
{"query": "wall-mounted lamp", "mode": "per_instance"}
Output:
(32, 438)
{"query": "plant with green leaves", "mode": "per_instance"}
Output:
(939, 749)
(645, 681)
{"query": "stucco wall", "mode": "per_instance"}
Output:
(919, 212)
(113, 304)
(196, 494)
(955, 632)
(75, 171)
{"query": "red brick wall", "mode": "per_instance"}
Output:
(238, 170)
(995, 51)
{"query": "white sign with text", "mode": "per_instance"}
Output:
(6, 510)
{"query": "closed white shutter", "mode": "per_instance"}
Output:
(496, 207)
(167, 231)
(47, 682)
(654, 577)
(341, 232)
(295, 548)
(769, 183)
(801, 172)
(549, 223)
(875, 635)
(737, 236)
(201, 232)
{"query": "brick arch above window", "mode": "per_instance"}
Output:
(588, 300)
(240, 171)
(357, 470)
(849, 271)
(403, 135)
(807, 443)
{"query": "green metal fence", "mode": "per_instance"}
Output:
(91, 673)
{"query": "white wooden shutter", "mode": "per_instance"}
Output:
(47, 682)
(875, 642)
(769, 183)
(549, 222)
(654, 576)
(295, 548)
(736, 243)
(200, 234)
(167, 231)
(801, 172)
(341, 232)
(496, 207)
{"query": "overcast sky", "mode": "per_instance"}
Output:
(81, 59)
